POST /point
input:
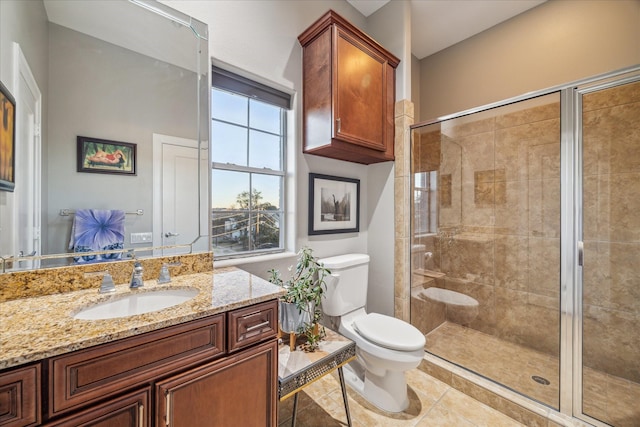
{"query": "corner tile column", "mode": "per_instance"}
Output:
(402, 208)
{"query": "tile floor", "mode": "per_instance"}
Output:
(432, 404)
(606, 397)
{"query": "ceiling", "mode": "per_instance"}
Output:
(438, 24)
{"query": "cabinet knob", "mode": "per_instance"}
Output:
(338, 122)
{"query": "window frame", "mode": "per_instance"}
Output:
(228, 82)
(428, 198)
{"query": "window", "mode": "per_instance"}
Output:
(248, 134)
(424, 199)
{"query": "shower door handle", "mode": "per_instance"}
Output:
(580, 253)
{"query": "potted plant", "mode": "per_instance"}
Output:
(299, 308)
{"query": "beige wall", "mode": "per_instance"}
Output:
(554, 43)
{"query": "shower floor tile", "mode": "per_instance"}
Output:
(606, 397)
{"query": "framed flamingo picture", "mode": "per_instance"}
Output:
(105, 156)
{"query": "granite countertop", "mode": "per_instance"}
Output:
(39, 327)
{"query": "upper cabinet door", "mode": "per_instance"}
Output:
(360, 93)
(348, 93)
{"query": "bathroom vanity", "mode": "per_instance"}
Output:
(205, 359)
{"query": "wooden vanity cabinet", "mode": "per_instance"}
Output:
(348, 93)
(237, 390)
(219, 370)
(20, 395)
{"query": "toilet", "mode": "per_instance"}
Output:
(460, 308)
(386, 347)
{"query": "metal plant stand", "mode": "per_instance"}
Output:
(298, 369)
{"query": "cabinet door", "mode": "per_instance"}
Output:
(361, 90)
(20, 397)
(131, 410)
(240, 390)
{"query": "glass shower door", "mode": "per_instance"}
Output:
(610, 299)
(485, 248)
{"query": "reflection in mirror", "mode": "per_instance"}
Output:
(112, 71)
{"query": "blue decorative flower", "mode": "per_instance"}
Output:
(97, 230)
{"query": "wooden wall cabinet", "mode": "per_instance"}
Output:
(211, 371)
(348, 93)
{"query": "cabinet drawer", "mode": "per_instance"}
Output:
(20, 397)
(94, 373)
(252, 324)
(130, 410)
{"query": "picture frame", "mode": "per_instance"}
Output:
(105, 156)
(7, 140)
(334, 204)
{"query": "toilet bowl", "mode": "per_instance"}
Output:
(460, 308)
(386, 347)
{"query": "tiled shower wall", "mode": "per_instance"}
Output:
(402, 207)
(611, 229)
(499, 218)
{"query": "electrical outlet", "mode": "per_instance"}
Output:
(141, 238)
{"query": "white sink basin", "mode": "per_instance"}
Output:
(137, 303)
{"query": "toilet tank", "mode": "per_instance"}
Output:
(346, 288)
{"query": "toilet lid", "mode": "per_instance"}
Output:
(389, 332)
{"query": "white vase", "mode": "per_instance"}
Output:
(292, 319)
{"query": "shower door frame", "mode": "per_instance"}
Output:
(604, 82)
(571, 248)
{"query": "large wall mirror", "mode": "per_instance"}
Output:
(134, 73)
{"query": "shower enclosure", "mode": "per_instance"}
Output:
(526, 245)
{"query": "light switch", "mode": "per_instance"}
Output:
(141, 238)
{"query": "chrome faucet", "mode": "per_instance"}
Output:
(107, 285)
(136, 276)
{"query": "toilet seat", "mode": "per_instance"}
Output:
(389, 332)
